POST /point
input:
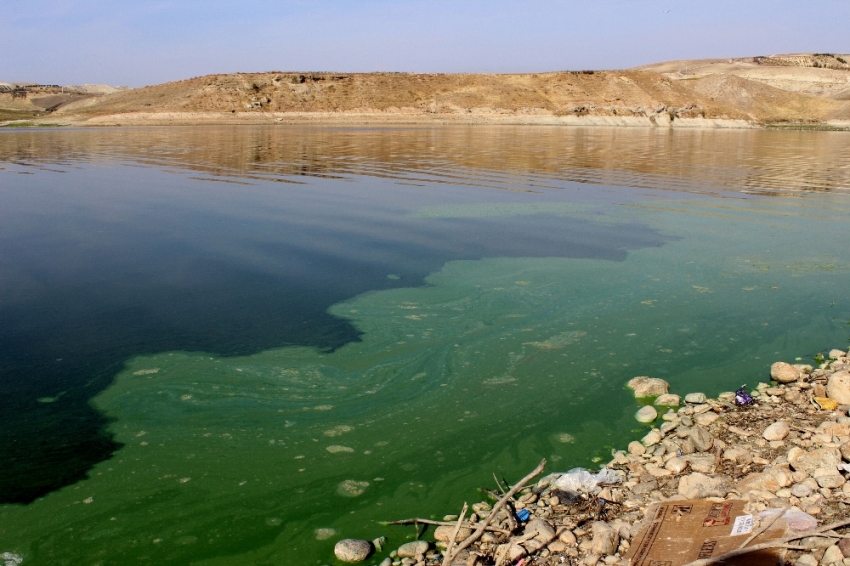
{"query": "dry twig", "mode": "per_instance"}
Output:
(418, 520)
(454, 535)
(492, 515)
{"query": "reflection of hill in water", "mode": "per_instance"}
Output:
(761, 162)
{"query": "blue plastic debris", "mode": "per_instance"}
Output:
(743, 398)
(523, 514)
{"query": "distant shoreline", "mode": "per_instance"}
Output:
(136, 119)
(800, 91)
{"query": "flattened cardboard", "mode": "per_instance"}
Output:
(677, 532)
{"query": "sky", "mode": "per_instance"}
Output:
(142, 42)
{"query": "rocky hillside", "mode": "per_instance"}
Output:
(754, 91)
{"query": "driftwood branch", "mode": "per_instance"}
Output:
(454, 535)
(418, 520)
(492, 515)
(779, 543)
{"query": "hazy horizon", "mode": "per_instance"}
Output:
(148, 42)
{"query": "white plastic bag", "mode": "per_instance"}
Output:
(579, 480)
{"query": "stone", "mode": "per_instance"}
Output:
(700, 486)
(668, 400)
(782, 372)
(412, 549)
(653, 438)
(835, 354)
(444, 533)
(806, 560)
(513, 552)
(696, 398)
(386, 562)
(845, 451)
(544, 531)
(738, 455)
(771, 479)
(645, 487)
(702, 463)
(557, 546)
(801, 490)
(833, 428)
(838, 387)
(706, 419)
(777, 431)
(844, 545)
(677, 464)
(353, 550)
(648, 386)
(659, 472)
(605, 539)
(832, 555)
(701, 439)
(646, 414)
(638, 449)
(567, 537)
(831, 481)
(810, 461)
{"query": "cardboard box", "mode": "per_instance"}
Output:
(677, 532)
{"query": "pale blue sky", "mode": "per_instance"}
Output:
(142, 42)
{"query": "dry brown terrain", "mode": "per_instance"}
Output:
(790, 89)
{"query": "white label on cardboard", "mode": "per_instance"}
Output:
(743, 525)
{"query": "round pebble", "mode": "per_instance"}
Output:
(353, 550)
(776, 431)
(412, 549)
(636, 448)
(696, 398)
(646, 414)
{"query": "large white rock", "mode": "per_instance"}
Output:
(668, 400)
(646, 414)
(833, 555)
(696, 398)
(653, 438)
(771, 479)
(777, 431)
(838, 387)
(413, 548)
(444, 533)
(700, 486)
(828, 458)
(605, 539)
(835, 354)
(782, 372)
(701, 439)
(648, 386)
(677, 464)
(353, 550)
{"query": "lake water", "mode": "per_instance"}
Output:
(239, 345)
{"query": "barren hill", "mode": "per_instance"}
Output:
(807, 89)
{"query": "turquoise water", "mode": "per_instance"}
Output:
(270, 454)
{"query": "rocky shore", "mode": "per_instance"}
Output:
(777, 454)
